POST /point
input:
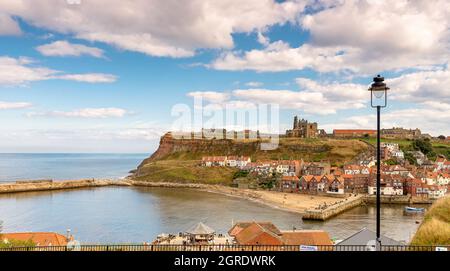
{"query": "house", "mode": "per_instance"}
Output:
(256, 234)
(242, 161)
(265, 233)
(41, 239)
(436, 191)
(239, 226)
(419, 156)
(415, 188)
(356, 183)
(290, 184)
(395, 170)
(398, 154)
(210, 161)
(335, 185)
(306, 237)
(231, 161)
(390, 146)
(391, 185)
(440, 162)
(316, 169)
(309, 183)
(366, 237)
(443, 179)
(356, 169)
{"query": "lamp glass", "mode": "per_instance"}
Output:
(378, 93)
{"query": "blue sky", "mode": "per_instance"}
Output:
(74, 78)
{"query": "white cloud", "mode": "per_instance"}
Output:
(65, 48)
(89, 77)
(278, 56)
(431, 118)
(20, 71)
(14, 105)
(110, 112)
(159, 28)
(421, 86)
(362, 37)
(313, 97)
(8, 26)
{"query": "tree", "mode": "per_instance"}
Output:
(423, 145)
(410, 158)
(441, 137)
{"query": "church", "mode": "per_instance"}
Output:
(303, 129)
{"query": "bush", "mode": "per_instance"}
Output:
(423, 145)
(16, 243)
(240, 174)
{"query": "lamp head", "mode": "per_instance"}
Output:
(378, 89)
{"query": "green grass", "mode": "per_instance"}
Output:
(183, 164)
(185, 172)
(435, 228)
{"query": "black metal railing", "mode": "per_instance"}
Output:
(157, 248)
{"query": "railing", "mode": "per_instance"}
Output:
(157, 248)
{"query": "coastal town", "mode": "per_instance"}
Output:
(418, 177)
(318, 190)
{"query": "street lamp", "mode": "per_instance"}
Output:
(378, 91)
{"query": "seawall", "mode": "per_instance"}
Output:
(403, 199)
(328, 212)
(28, 186)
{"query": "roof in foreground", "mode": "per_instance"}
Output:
(365, 236)
(39, 238)
(200, 228)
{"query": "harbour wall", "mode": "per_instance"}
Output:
(333, 210)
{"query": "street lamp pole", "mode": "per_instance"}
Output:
(378, 89)
(378, 179)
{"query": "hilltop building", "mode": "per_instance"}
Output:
(303, 129)
(399, 132)
(351, 133)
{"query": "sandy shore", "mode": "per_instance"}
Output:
(291, 202)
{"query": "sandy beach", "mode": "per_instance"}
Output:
(292, 202)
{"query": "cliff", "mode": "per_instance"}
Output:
(177, 159)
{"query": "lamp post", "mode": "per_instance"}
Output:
(378, 91)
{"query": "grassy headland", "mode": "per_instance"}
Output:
(435, 228)
(177, 160)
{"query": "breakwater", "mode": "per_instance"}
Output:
(45, 185)
(401, 199)
(327, 212)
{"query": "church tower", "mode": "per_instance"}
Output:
(295, 122)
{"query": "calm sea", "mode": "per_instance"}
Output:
(138, 214)
(63, 166)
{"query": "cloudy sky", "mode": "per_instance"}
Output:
(104, 75)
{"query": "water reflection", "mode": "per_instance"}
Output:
(137, 214)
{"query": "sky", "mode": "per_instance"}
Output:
(109, 75)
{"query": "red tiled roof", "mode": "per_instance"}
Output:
(255, 234)
(39, 238)
(306, 237)
(290, 178)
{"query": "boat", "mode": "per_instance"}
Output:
(412, 209)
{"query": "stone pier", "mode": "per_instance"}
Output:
(333, 210)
